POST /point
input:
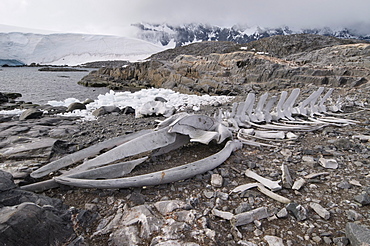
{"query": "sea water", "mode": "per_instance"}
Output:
(40, 87)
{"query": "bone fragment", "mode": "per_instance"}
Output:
(322, 107)
(249, 104)
(362, 137)
(288, 105)
(259, 109)
(270, 134)
(198, 121)
(314, 175)
(286, 178)
(84, 153)
(244, 187)
(268, 108)
(250, 216)
(303, 105)
(272, 185)
(168, 121)
(298, 184)
(196, 135)
(355, 183)
(328, 163)
(279, 106)
(273, 195)
(322, 212)
(160, 177)
(289, 127)
(291, 135)
(222, 214)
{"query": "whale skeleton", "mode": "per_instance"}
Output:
(267, 119)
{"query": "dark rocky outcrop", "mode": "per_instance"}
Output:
(30, 219)
(231, 71)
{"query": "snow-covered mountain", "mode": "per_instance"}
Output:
(164, 34)
(72, 49)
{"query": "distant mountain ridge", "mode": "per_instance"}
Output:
(164, 34)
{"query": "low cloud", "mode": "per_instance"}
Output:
(116, 16)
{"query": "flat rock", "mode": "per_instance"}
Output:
(358, 235)
(165, 207)
(273, 240)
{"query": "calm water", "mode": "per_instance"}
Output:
(41, 87)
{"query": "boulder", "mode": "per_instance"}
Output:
(31, 113)
(30, 224)
(6, 181)
(3, 98)
(27, 218)
(75, 105)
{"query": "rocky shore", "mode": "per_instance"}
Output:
(328, 205)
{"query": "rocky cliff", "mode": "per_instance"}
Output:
(226, 68)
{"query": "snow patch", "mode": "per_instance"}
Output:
(136, 99)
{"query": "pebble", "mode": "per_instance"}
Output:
(322, 212)
(216, 180)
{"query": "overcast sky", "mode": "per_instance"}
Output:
(115, 16)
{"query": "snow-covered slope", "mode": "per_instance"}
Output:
(188, 33)
(72, 49)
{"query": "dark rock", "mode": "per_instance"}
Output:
(15, 196)
(137, 198)
(12, 95)
(128, 110)
(298, 211)
(340, 241)
(160, 99)
(31, 113)
(3, 98)
(243, 207)
(75, 105)
(344, 185)
(30, 224)
(6, 181)
(358, 235)
(363, 198)
(99, 112)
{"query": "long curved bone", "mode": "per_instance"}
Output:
(84, 153)
(111, 171)
(160, 177)
(143, 143)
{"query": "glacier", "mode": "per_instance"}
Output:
(73, 49)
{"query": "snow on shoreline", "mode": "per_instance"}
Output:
(136, 99)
